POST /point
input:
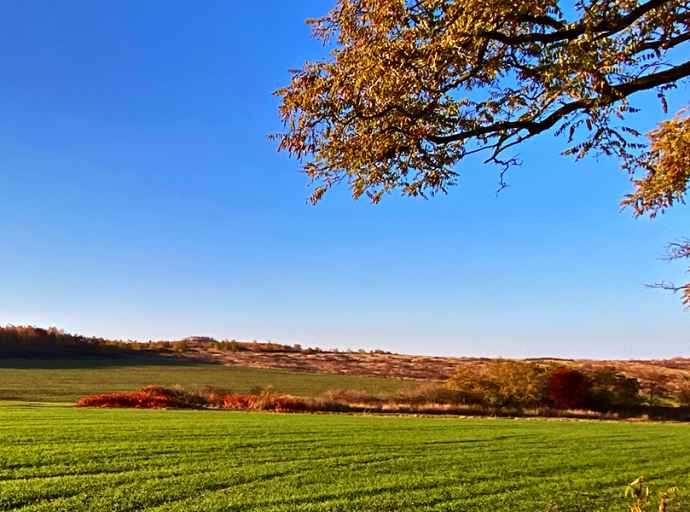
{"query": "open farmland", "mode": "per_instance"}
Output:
(67, 381)
(120, 460)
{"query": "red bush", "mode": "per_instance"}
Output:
(235, 401)
(156, 397)
(131, 401)
(568, 388)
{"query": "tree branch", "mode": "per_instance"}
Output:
(668, 286)
(570, 34)
(617, 93)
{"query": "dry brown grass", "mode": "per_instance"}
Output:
(410, 367)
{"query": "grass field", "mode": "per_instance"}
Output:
(67, 381)
(67, 459)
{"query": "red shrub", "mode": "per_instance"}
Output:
(131, 401)
(235, 401)
(156, 397)
(568, 388)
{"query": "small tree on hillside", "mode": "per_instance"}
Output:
(655, 385)
(684, 393)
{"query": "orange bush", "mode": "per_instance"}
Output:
(131, 401)
(156, 397)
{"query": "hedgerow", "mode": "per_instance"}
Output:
(157, 397)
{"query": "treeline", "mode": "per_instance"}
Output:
(29, 341)
(427, 398)
(21, 342)
(510, 383)
(157, 397)
(208, 343)
(511, 388)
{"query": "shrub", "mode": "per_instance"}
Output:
(211, 392)
(157, 397)
(468, 385)
(260, 403)
(612, 390)
(176, 393)
(131, 401)
(655, 385)
(230, 346)
(684, 394)
(180, 346)
(501, 383)
(427, 393)
(568, 388)
(350, 396)
(148, 397)
(516, 383)
(511, 383)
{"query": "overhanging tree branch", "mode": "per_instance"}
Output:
(413, 87)
(617, 93)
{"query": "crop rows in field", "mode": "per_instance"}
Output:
(120, 460)
(67, 381)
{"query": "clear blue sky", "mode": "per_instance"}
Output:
(140, 199)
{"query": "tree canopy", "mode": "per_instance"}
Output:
(412, 87)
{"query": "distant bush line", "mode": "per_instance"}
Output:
(496, 386)
(520, 384)
(427, 399)
(506, 388)
(156, 397)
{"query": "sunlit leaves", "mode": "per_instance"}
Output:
(413, 87)
(666, 166)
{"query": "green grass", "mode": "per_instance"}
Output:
(67, 381)
(66, 459)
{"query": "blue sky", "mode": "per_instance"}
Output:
(140, 199)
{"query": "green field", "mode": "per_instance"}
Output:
(69, 459)
(67, 381)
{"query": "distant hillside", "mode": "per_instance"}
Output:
(33, 342)
(401, 366)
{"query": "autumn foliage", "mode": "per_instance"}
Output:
(131, 401)
(569, 388)
(156, 397)
(29, 341)
(507, 383)
(501, 383)
(260, 403)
